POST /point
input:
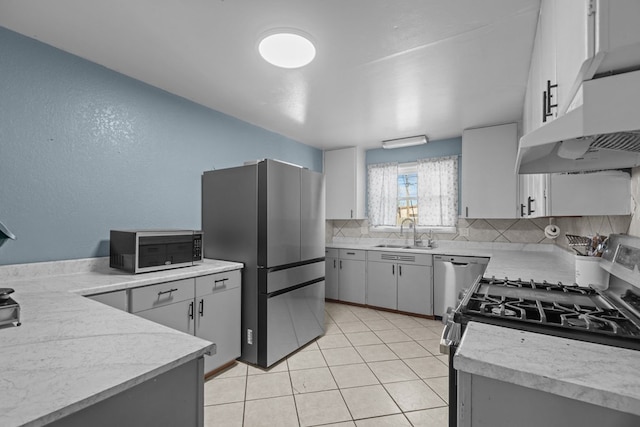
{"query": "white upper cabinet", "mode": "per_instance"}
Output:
(489, 182)
(577, 40)
(345, 178)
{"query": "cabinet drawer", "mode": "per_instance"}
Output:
(213, 283)
(331, 253)
(352, 254)
(401, 257)
(161, 294)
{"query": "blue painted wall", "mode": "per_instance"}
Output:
(84, 149)
(439, 148)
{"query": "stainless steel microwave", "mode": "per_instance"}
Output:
(141, 251)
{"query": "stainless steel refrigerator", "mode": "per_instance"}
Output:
(270, 216)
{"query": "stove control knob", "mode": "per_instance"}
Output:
(462, 294)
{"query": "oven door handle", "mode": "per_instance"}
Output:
(450, 337)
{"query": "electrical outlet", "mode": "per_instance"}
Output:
(249, 336)
(463, 232)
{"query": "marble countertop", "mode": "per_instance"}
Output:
(513, 260)
(71, 352)
(598, 374)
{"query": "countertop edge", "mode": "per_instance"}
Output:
(476, 356)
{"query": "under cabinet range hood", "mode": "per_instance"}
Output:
(602, 133)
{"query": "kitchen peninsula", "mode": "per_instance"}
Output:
(73, 359)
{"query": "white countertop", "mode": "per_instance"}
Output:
(71, 352)
(598, 374)
(525, 261)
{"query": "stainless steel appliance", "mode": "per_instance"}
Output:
(270, 216)
(610, 316)
(9, 309)
(141, 251)
(452, 274)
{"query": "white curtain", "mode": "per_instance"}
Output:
(382, 192)
(438, 191)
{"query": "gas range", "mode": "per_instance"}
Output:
(568, 311)
(608, 316)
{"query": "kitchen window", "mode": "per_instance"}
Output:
(425, 191)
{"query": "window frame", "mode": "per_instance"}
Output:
(412, 166)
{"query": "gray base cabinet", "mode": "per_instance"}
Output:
(352, 276)
(174, 398)
(218, 316)
(415, 289)
(486, 402)
(331, 289)
(382, 286)
(208, 307)
(400, 281)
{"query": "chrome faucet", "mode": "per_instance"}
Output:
(416, 242)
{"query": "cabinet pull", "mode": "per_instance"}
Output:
(191, 310)
(201, 310)
(546, 101)
(167, 291)
(352, 213)
(399, 270)
(466, 210)
(351, 253)
(215, 282)
(340, 264)
(521, 209)
(393, 269)
(529, 201)
(334, 263)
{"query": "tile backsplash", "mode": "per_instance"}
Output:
(496, 230)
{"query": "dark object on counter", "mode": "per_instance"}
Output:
(142, 251)
(9, 309)
(5, 292)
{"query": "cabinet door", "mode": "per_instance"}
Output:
(218, 320)
(351, 276)
(574, 29)
(534, 190)
(331, 278)
(600, 193)
(547, 69)
(179, 316)
(345, 179)
(415, 289)
(489, 180)
(382, 288)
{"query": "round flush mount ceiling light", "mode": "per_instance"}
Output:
(287, 49)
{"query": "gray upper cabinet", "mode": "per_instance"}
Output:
(345, 177)
(489, 180)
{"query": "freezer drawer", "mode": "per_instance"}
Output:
(293, 319)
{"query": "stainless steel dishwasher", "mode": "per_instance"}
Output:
(452, 274)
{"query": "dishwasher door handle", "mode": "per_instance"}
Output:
(459, 264)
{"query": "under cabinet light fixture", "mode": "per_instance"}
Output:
(405, 142)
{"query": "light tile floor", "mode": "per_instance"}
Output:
(371, 368)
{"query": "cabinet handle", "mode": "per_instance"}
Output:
(529, 201)
(340, 264)
(201, 310)
(215, 282)
(167, 292)
(522, 209)
(466, 211)
(352, 213)
(546, 101)
(351, 253)
(334, 263)
(399, 270)
(393, 269)
(191, 310)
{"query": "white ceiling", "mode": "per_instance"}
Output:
(384, 68)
